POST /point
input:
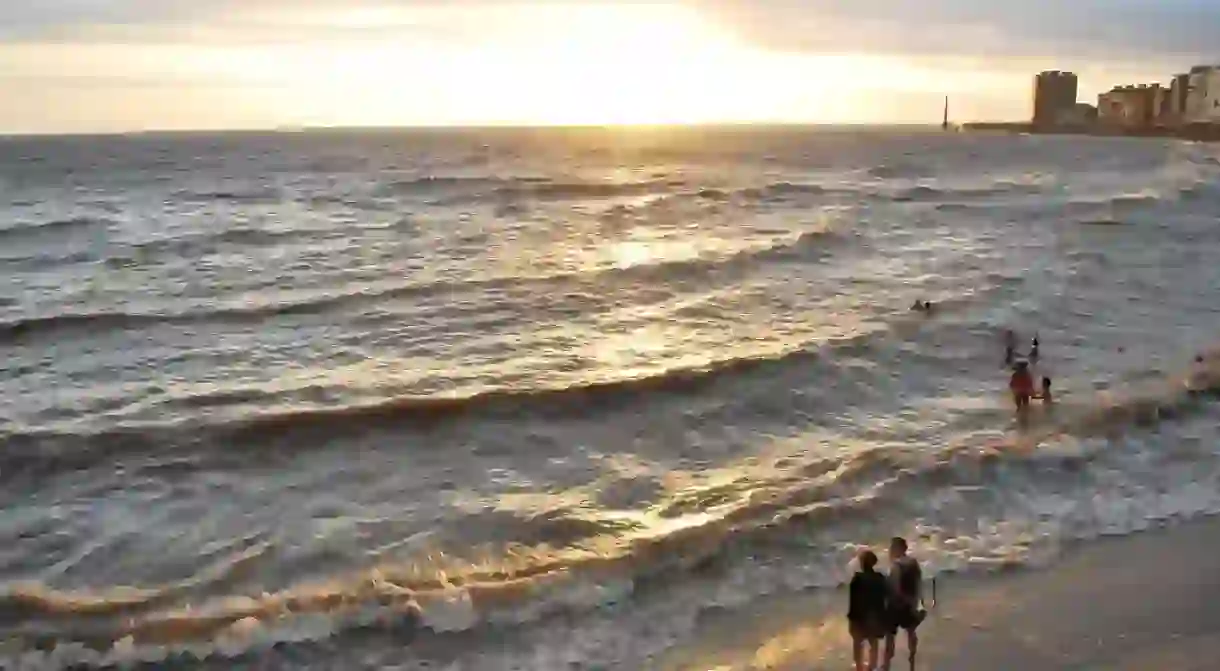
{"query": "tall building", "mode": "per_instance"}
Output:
(1160, 107)
(1129, 107)
(1179, 87)
(1054, 95)
(1203, 95)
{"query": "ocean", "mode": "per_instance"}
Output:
(544, 399)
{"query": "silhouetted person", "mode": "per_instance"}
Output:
(906, 586)
(927, 307)
(1034, 350)
(1047, 399)
(867, 611)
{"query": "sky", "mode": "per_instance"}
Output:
(129, 65)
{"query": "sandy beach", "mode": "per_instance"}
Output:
(1142, 602)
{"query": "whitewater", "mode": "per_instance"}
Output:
(544, 399)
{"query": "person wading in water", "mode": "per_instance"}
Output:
(1021, 384)
(1010, 347)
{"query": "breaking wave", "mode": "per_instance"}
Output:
(242, 310)
(576, 561)
(57, 226)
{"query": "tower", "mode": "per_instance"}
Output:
(1054, 94)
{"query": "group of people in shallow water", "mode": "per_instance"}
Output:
(879, 606)
(1021, 384)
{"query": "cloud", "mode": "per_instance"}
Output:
(1076, 33)
(246, 22)
(1079, 31)
(25, 20)
(981, 53)
(1096, 37)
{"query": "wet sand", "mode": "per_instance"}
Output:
(1142, 602)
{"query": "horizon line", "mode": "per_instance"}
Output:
(291, 129)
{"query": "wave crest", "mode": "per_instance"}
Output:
(577, 563)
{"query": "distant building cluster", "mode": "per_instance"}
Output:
(1189, 100)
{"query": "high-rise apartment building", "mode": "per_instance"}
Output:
(1130, 107)
(1179, 87)
(1054, 95)
(1203, 96)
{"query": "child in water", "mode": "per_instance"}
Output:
(1046, 391)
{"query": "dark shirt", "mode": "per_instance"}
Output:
(907, 579)
(868, 596)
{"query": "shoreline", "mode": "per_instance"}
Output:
(1145, 601)
(1203, 133)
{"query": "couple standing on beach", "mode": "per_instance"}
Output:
(880, 606)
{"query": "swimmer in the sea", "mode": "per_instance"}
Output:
(927, 307)
(1010, 347)
(1034, 349)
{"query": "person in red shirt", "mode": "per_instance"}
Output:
(1022, 386)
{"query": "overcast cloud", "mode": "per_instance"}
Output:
(1076, 30)
(1186, 30)
(61, 45)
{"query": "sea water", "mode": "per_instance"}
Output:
(538, 399)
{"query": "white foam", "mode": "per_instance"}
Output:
(983, 518)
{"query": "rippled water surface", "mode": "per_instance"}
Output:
(535, 399)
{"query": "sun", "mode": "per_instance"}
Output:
(471, 63)
(624, 64)
(551, 63)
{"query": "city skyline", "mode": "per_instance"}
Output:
(129, 65)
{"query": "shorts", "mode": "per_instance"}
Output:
(869, 629)
(906, 618)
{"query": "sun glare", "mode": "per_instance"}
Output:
(636, 64)
(550, 64)
(547, 64)
(476, 62)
